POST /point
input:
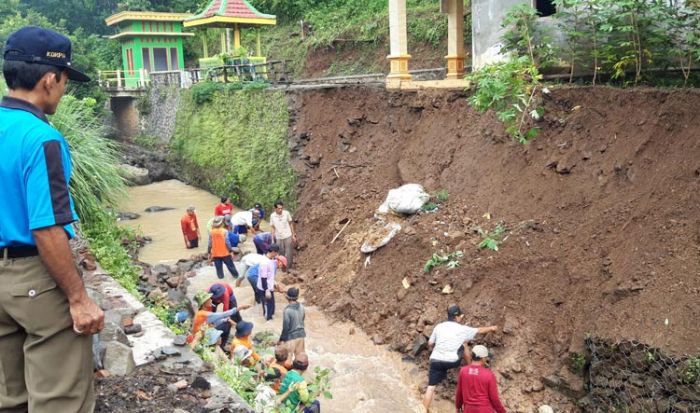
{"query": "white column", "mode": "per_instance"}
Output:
(398, 56)
(455, 39)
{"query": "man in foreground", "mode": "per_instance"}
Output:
(46, 316)
(451, 340)
(477, 391)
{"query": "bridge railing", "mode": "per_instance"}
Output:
(274, 71)
(123, 80)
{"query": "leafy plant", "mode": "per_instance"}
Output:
(442, 196)
(525, 36)
(429, 207)
(492, 239)
(577, 361)
(690, 372)
(451, 260)
(509, 88)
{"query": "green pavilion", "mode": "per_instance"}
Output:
(151, 42)
(231, 15)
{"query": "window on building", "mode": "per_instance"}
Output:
(545, 7)
(160, 59)
(146, 55)
(174, 62)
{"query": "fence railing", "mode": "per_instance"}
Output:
(274, 71)
(123, 80)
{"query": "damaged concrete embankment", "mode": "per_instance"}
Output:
(601, 213)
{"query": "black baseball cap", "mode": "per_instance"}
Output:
(42, 46)
(454, 311)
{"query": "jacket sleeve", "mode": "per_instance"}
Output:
(228, 241)
(459, 397)
(213, 318)
(286, 322)
(493, 396)
(209, 244)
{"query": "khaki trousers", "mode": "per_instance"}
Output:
(44, 366)
(287, 249)
(295, 346)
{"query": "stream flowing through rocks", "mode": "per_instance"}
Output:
(365, 377)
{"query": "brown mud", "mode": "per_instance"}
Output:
(602, 218)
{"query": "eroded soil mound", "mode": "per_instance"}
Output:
(601, 213)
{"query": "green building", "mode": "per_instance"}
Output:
(151, 42)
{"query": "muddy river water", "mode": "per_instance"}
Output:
(365, 377)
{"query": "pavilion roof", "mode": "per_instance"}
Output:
(224, 13)
(145, 16)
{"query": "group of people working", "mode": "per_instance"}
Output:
(218, 322)
(218, 314)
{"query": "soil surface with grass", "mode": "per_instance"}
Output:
(601, 215)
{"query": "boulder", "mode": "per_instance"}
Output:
(119, 358)
(158, 209)
(133, 329)
(180, 340)
(126, 216)
(173, 282)
(420, 343)
(160, 270)
(112, 332)
(135, 175)
(200, 382)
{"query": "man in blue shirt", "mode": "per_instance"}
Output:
(46, 316)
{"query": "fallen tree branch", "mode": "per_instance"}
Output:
(340, 232)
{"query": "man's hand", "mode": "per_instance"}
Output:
(88, 317)
(243, 307)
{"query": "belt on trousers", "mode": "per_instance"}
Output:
(18, 252)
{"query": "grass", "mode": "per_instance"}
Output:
(235, 144)
(96, 185)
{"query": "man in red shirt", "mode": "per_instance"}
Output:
(190, 228)
(224, 208)
(477, 391)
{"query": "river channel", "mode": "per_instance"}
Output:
(365, 377)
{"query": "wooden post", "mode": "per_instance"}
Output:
(119, 79)
(225, 75)
(237, 37)
(142, 77)
(259, 44)
(223, 42)
(205, 46)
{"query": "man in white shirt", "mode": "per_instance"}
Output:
(243, 221)
(450, 338)
(282, 229)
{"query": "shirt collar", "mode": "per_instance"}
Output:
(19, 104)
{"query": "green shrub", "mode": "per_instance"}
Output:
(235, 144)
(509, 88)
(96, 185)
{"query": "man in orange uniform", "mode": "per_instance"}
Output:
(219, 249)
(190, 228)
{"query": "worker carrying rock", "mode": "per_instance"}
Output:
(450, 340)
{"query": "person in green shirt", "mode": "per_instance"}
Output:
(294, 392)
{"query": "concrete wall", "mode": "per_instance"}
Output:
(487, 16)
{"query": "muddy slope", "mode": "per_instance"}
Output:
(602, 210)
